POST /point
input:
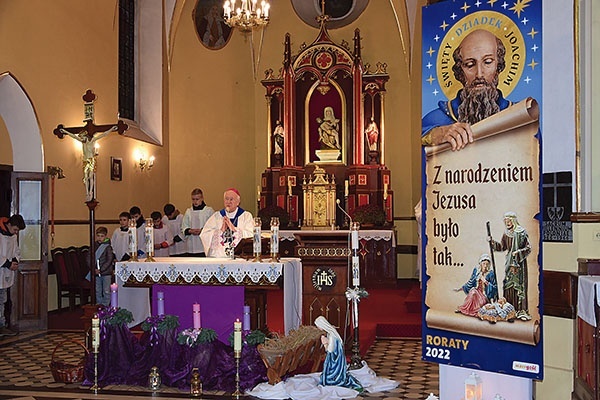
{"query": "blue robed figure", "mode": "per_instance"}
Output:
(335, 368)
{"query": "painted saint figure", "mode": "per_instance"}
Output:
(89, 157)
(278, 138)
(478, 62)
(335, 369)
(515, 241)
(329, 127)
(481, 288)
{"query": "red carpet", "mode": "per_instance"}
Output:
(385, 313)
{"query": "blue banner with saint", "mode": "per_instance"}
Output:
(481, 137)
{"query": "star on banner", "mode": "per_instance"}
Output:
(520, 6)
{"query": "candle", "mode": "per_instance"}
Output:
(160, 303)
(354, 235)
(346, 189)
(196, 315)
(289, 186)
(258, 193)
(246, 320)
(256, 238)
(132, 233)
(95, 332)
(237, 336)
(114, 297)
(149, 236)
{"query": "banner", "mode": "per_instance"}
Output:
(482, 276)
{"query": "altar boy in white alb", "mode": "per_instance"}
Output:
(227, 227)
(193, 222)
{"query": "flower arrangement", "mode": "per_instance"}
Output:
(369, 214)
(195, 336)
(266, 213)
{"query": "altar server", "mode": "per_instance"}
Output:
(162, 241)
(9, 263)
(172, 220)
(227, 227)
(193, 221)
(120, 238)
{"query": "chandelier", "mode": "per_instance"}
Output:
(248, 16)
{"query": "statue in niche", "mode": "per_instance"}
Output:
(278, 138)
(329, 126)
(372, 133)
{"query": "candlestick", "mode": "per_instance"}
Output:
(114, 296)
(355, 262)
(246, 320)
(196, 315)
(149, 236)
(95, 345)
(160, 303)
(275, 239)
(95, 332)
(237, 336)
(132, 240)
(256, 239)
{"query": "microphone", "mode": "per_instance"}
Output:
(337, 201)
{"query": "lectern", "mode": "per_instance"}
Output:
(325, 271)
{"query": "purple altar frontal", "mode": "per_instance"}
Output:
(220, 306)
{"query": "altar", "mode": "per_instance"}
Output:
(199, 280)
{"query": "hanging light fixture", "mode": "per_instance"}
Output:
(248, 17)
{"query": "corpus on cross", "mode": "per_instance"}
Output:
(88, 135)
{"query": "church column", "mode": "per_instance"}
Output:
(289, 151)
(357, 100)
(269, 99)
(382, 127)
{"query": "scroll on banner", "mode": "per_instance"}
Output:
(467, 192)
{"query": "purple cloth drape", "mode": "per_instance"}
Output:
(125, 360)
(220, 306)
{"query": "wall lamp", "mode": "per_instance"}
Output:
(143, 161)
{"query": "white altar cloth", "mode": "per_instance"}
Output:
(137, 300)
(588, 293)
(366, 234)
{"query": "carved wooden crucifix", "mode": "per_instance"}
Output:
(88, 135)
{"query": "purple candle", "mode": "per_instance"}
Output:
(246, 320)
(196, 315)
(160, 303)
(114, 302)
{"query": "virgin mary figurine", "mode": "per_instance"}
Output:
(335, 367)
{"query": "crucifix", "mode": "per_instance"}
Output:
(88, 135)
